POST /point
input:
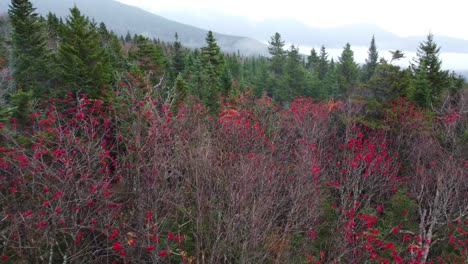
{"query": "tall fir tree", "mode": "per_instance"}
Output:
(322, 66)
(371, 61)
(177, 61)
(347, 70)
(84, 62)
(277, 53)
(29, 47)
(294, 75)
(430, 80)
(212, 57)
(329, 85)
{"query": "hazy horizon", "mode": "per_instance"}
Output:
(403, 18)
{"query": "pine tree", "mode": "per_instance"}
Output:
(322, 64)
(347, 70)
(85, 64)
(29, 46)
(429, 79)
(371, 61)
(277, 53)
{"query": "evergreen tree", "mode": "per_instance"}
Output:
(85, 64)
(371, 61)
(211, 56)
(53, 30)
(347, 70)
(29, 46)
(322, 64)
(177, 57)
(277, 54)
(262, 79)
(312, 60)
(329, 86)
(3, 43)
(226, 81)
(128, 37)
(180, 89)
(389, 82)
(294, 75)
(429, 80)
(147, 56)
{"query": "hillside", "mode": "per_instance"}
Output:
(122, 18)
(299, 33)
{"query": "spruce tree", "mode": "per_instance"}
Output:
(312, 60)
(147, 57)
(294, 75)
(371, 61)
(3, 42)
(430, 80)
(329, 85)
(84, 63)
(389, 82)
(322, 64)
(29, 46)
(177, 57)
(211, 56)
(347, 70)
(277, 53)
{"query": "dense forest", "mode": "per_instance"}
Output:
(125, 149)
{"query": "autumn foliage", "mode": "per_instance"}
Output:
(138, 179)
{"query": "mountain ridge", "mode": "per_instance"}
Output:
(293, 31)
(122, 18)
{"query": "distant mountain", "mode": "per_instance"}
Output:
(298, 33)
(122, 18)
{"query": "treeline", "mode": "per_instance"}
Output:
(49, 56)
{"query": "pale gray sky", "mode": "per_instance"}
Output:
(402, 17)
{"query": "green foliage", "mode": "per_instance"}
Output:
(371, 61)
(147, 56)
(178, 63)
(347, 70)
(294, 75)
(4, 35)
(21, 105)
(322, 68)
(85, 65)
(430, 81)
(29, 52)
(312, 60)
(400, 209)
(211, 56)
(389, 82)
(278, 54)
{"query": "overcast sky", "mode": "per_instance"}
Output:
(402, 17)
